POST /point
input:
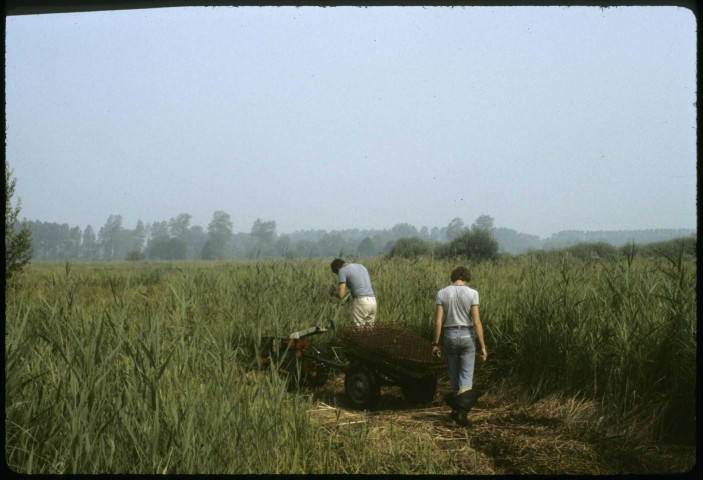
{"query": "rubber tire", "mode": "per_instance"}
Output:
(420, 392)
(361, 387)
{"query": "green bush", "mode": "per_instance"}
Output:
(409, 247)
(134, 256)
(171, 249)
(593, 250)
(670, 248)
(475, 244)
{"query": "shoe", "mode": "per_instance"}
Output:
(450, 399)
(467, 399)
(459, 416)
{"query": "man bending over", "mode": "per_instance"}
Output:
(357, 278)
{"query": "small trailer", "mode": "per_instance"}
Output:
(376, 356)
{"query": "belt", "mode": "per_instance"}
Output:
(458, 327)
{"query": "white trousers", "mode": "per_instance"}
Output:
(363, 311)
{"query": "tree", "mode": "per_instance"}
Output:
(332, 244)
(138, 237)
(435, 234)
(366, 248)
(179, 226)
(402, 230)
(195, 241)
(484, 222)
(283, 247)
(219, 233)
(38, 242)
(18, 236)
(220, 227)
(455, 228)
(475, 244)
(109, 236)
(46, 237)
(134, 256)
(89, 247)
(409, 247)
(510, 241)
(166, 249)
(264, 234)
(74, 242)
(159, 231)
(307, 248)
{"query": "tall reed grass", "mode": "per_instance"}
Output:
(153, 368)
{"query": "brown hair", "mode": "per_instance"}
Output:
(461, 273)
(336, 265)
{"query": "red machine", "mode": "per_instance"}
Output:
(296, 358)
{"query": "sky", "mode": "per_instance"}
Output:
(545, 118)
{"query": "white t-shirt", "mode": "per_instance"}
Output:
(456, 301)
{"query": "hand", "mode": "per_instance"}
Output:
(436, 351)
(484, 354)
(333, 290)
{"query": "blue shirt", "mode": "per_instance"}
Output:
(357, 279)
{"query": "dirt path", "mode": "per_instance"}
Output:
(509, 435)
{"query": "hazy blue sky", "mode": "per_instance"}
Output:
(545, 118)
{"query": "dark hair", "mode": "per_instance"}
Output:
(461, 273)
(336, 265)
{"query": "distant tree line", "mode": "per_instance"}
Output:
(176, 238)
(618, 238)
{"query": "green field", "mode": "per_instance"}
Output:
(152, 368)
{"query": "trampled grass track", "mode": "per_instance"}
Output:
(509, 433)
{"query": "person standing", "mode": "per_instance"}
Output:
(357, 278)
(457, 317)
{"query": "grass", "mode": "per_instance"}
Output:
(152, 368)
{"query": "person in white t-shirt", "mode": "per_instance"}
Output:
(457, 317)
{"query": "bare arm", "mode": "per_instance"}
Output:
(438, 315)
(478, 328)
(339, 291)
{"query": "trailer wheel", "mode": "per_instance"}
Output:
(361, 387)
(420, 392)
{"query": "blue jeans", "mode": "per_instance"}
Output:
(460, 350)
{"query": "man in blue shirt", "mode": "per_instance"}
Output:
(357, 278)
